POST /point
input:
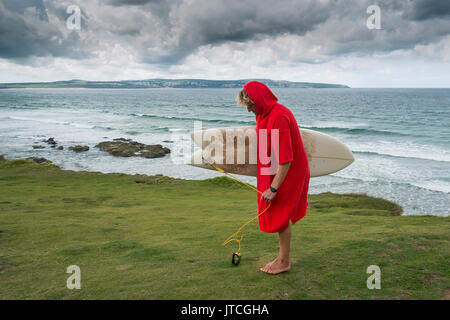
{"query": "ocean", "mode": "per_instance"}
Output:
(400, 137)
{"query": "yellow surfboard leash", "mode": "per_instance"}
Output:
(236, 257)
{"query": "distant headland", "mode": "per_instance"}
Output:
(167, 83)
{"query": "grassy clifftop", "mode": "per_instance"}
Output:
(154, 237)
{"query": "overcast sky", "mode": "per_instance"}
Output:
(298, 40)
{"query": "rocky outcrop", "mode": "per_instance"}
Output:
(51, 141)
(79, 148)
(39, 160)
(119, 147)
(128, 148)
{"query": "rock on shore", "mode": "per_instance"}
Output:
(79, 148)
(51, 141)
(128, 148)
(39, 160)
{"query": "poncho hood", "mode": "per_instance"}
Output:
(263, 98)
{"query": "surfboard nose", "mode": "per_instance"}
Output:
(347, 153)
(352, 156)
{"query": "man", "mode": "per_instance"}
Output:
(287, 186)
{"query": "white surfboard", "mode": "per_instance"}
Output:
(326, 154)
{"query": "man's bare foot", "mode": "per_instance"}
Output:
(266, 267)
(276, 266)
(271, 262)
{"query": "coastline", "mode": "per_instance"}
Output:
(155, 237)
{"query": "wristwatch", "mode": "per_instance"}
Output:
(273, 189)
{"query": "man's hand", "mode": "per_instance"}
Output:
(268, 195)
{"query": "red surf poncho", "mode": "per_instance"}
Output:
(290, 202)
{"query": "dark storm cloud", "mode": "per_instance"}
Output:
(427, 9)
(165, 32)
(191, 24)
(130, 2)
(26, 31)
(399, 28)
(240, 21)
(21, 6)
(338, 27)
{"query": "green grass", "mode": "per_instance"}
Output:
(154, 237)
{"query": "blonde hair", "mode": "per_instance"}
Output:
(243, 99)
